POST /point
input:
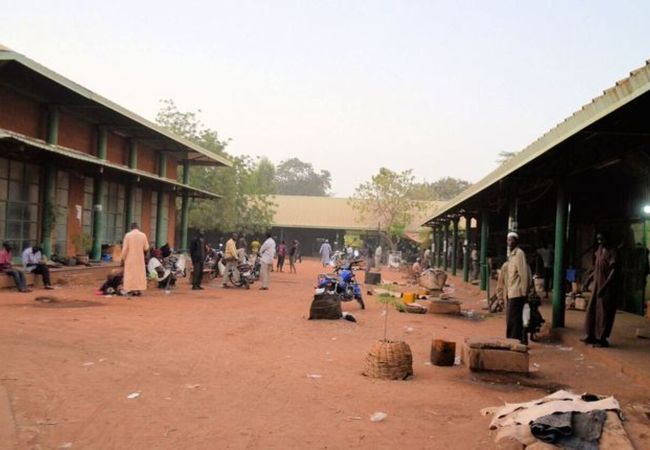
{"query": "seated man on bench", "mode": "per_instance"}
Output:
(7, 268)
(33, 262)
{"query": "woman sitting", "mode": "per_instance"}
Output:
(157, 271)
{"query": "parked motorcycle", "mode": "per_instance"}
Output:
(342, 283)
(241, 276)
(176, 263)
(214, 263)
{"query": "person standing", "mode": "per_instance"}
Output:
(426, 259)
(378, 252)
(255, 247)
(298, 251)
(7, 268)
(134, 247)
(546, 253)
(517, 281)
(33, 263)
(230, 257)
(267, 253)
(293, 252)
(325, 253)
(282, 253)
(601, 310)
(197, 253)
(474, 258)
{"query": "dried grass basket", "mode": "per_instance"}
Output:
(389, 360)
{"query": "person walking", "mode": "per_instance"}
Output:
(601, 310)
(134, 247)
(230, 257)
(293, 252)
(33, 263)
(517, 281)
(267, 253)
(282, 253)
(325, 252)
(7, 268)
(378, 252)
(198, 250)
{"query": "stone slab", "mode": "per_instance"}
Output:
(484, 359)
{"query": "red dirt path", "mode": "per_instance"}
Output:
(228, 369)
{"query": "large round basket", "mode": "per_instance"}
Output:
(389, 360)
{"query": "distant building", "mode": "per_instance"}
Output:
(73, 163)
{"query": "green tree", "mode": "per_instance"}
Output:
(443, 189)
(386, 200)
(505, 156)
(245, 187)
(295, 177)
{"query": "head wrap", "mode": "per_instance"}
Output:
(512, 234)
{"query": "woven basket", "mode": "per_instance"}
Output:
(389, 360)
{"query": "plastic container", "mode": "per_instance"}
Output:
(408, 297)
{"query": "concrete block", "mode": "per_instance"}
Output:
(501, 360)
(438, 307)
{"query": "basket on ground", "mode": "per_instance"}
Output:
(325, 307)
(389, 360)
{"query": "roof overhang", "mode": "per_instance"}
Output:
(66, 93)
(102, 166)
(621, 94)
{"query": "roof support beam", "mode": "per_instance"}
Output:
(558, 261)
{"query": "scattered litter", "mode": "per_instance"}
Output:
(353, 418)
(565, 349)
(427, 363)
(333, 338)
(383, 313)
(314, 375)
(378, 416)
(536, 366)
(102, 359)
(89, 363)
(67, 445)
(133, 395)
(457, 361)
(192, 386)
(349, 317)
(591, 367)
(408, 329)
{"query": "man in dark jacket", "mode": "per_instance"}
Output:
(197, 253)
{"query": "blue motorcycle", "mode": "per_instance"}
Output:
(342, 284)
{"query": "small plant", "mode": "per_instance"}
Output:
(82, 243)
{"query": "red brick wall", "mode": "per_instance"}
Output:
(116, 149)
(147, 158)
(145, 226)
(21, 114)
(171, 220)
(75, 197)
(172, 167)
(76, 133)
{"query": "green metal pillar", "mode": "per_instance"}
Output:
(185, 205)
(49, 184)
(162, 164)
(445, 246)
(485, 216)
(558, 261)
(99, 189)
(133, 154)
(160, 239)
(98, 218)
(454, 249)
(468, 247)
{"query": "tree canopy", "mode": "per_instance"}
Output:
(443, 189)
(295, 177)
(245, 187)
(386, 198)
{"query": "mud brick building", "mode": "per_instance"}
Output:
(74, 164)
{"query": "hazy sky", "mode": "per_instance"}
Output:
(350, 86)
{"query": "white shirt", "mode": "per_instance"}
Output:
(267, 251)
(154, 263)
(31, 258)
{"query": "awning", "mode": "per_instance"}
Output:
(103, 165)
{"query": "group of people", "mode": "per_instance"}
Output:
(601, 311)
(32, 262)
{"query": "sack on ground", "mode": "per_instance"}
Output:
(325, 307)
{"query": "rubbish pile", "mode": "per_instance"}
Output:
(563, 419)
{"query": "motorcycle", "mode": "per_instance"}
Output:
(342, 283)
(214, 263)
(176, 264)
(241, 276)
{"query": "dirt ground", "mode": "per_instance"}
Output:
(229, 368)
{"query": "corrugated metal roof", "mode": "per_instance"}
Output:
(623, 92)
(332, 213)
(79, 156)
(203, 154)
